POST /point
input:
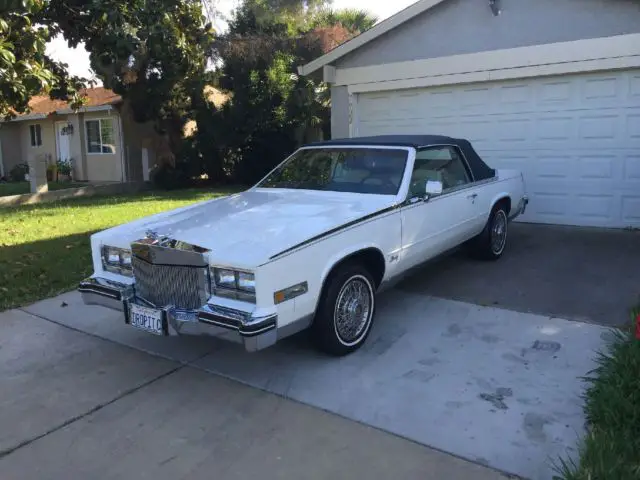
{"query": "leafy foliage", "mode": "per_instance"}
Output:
(25, 69)
(272, 109)
(152, 52)
(352, 19)
(611, 449)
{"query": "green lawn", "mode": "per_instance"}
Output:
(611, 449)
(18, 188)
(44, 248)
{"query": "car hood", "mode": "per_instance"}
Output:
(246, 229)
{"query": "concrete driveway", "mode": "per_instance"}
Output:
(590, 275)
(76, 406)
(496, 387)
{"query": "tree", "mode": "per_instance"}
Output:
(273, 109)
(152, 52)
(354, 20)
(25, 69)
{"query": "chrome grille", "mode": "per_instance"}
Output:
(182, 285)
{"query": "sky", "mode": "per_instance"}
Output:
(78, 58)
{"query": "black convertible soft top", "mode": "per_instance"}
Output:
(480, 170)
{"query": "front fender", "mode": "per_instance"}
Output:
(346, 252)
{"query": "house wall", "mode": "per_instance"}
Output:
(45, 152)
(468, 26)
(339, 112)
(104, 167)
(11, 144)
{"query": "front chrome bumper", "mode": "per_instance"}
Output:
(254, 332)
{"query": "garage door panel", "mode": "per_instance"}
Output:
(602, 89)
(631, 209)
(576, 138)
(632, 168)
(633, 126)
(558, 93)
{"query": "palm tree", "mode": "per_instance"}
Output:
(353, 19)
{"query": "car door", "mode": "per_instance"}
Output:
(433, 225)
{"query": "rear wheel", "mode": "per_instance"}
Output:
(490, 244)
(345, 311)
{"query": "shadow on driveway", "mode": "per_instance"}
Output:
(584, 274)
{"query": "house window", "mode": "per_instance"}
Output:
(35, 132)
(100, 136)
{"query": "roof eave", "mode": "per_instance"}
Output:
(374, 32)
(28, 116)
(95, 108)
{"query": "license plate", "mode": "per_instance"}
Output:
(147, 319)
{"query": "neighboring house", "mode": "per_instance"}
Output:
(101, 139)
(550, 87)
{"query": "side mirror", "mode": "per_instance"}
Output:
(433, 188)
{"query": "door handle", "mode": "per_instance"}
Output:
(473, 196)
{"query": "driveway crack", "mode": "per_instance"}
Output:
(130, 391)
(179, 366)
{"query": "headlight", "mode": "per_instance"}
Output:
(224, 278)
(247, 282)
(117, 260)
(234, 284)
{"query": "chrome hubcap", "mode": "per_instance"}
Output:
(353, 309)
(499, 232)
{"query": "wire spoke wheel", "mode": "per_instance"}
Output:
(353, 310)
(499, 232)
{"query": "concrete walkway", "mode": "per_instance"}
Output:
(77, 406)
(493, 386)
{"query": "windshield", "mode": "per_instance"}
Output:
(357, 170)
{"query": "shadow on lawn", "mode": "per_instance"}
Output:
(195, 194)
(32, 271)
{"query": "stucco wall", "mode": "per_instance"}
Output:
(46, 151)
(11, 144)
(103, 167)
(339, 112)
(468, 26)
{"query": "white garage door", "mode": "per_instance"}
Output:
(576, 138)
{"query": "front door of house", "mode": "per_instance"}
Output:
(62, 141)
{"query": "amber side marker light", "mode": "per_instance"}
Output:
(290, 292)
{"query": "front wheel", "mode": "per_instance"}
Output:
(490, 244)
(345, 311)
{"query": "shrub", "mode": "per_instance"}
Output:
(64, 167)
(170, 177)
(611, 449)
(17, 173)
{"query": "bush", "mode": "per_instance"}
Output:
(17, 173)
(64, 167)
(611, 449)
(169, 177)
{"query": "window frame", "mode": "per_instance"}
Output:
(37, 135)
(465, 165)
(86, 132)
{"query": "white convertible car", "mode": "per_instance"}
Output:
(309, 246)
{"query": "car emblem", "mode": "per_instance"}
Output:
(152, 234)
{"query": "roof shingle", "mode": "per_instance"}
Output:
(96, 97)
